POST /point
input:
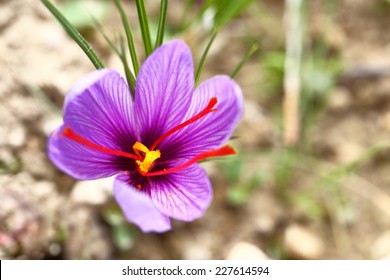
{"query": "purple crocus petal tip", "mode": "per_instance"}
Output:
(84, 83)
(164, 89)
(184, 195)
(139, 208)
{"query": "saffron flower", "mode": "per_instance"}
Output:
(152, 143)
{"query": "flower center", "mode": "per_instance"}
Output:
(144, 157)
(148, 157)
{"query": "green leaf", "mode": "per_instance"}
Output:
(161, 24)
(129, 36)
(113, 216)
(76, 36)
(121, 54)
(129, 76)
(285, 161)
(308, 204)
(203, 58)
(232, 168)
(226, 10)
(252, 50)
(123, 237)
(272, 65)
(240, 194)
(237, 195)
(143, 22)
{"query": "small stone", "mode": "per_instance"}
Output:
(50, 124)
(381, 247)
(246, 251)
(340, 99)
(301, 243)
(54, 249)
(16, 136)
(348, 151)
(43, 189)
(92, 192)
(264, 223)
(196, 252)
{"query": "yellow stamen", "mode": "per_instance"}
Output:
(150, 156)
(139, 147)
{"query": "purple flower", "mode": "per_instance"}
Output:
(153, 143)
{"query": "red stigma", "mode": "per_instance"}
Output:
(223, 151)
(69, 133)
(209, 108)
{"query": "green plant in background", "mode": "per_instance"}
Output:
(79, 13)
(319, 71)
(216, 13)
(239, 189)
(11, 167)
(224, 10)
(123, 234)
(272, 64)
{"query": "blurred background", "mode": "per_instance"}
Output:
(312, 177)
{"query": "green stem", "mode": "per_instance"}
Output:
(129, 37)
(76, 36)
(203, 58)
(368, 154)
(129, 76)
(252, 50)
(121, 54)
(161, 24)
(143, 21)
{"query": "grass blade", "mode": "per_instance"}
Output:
(228, 10)
(129, 37)
(143, 22)
(121, 54)
(76, 36)
(99, 28)
(161, 23)
(203, 58)
(252, 50)
(129, 76)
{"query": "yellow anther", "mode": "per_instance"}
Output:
(139, 147)
(150, 156)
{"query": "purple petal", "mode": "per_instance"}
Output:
(100, 109)
(164, 89)
(183, 195)
(138, 208)
(78, 161)
(212, 130)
